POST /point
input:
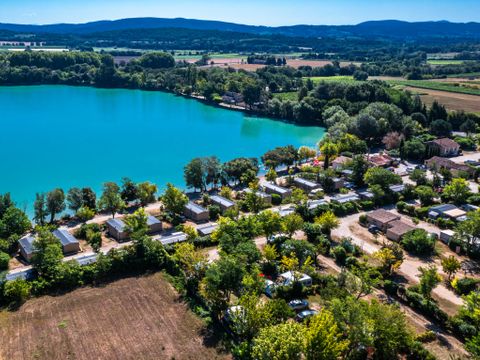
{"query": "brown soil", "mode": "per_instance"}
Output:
(136, 318)
(452, 101)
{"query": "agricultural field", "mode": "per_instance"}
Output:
(452, 101)
(339, 78)
(293, 95)
(462, 87)
(135, 318)
(444, 62)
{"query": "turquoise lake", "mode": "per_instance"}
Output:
(61, 136)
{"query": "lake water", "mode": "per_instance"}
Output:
(60, 136)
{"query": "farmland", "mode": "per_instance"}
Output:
(135, 318)
(452, 101)
(444, 62)
(462, 88)
(339, 78)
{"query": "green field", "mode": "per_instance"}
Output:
(444, 62)
(338, 78)
(464, 75)
(432, 85)
(293, 95)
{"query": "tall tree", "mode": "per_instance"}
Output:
(194, 174)
(111, 200)
(75, 199)
(328, 149)
(146, 192)
(55, 203)
(174, 200)
(429, 279)
(40, 208)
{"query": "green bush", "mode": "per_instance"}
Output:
(276, 199)
(339, 254)
(363, 219)
(419, 242)
(391, 287)
(4, 259)
(422, 212)
(401, 206)
(312, 231)
(214, 211)
(367, 205)
(427, 336)
(81, 233)
(465, 286)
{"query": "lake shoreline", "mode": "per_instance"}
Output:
(235, 108)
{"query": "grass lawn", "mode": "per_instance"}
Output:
(293, 95)
(338, 78)
(445, 62)
(432, 85)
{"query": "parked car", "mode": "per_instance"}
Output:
(301, 316)
(298, 304)
(374, 229)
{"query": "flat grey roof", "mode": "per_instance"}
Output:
(117, 224)
(346, 198)
(196, 209)
(313, 204)
(27, 244)
(207, 229)
(65, 237)
(305, 182)
(262, 194)
(23, 274)
(442, 208)
(87, 259)
(152, 220)
(276, 188)
(397, 188)
(221, 200)
(174, 238)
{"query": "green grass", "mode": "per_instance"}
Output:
(432, 85)
(445, 62)
(464, 75)
(338, 78)
(293, 95)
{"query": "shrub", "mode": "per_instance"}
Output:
(445, 223)
(81, 233)
(214, 211)
(464, 286)
(366, 205)
(276, 199)
(427, 336)
(363, 219)
(312, 231)
(419, 242)
(4, 260)
(339, 254)
(391, 287)
(422, 212)
(324, 245)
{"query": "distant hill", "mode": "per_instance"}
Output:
(384, 28)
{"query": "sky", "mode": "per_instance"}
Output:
(254, 12)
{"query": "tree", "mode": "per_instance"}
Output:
(85, 213)
(194, 174)
(48, 254)
(450, 266)
(279, 342)
(146, 192)
(327, 221)
(129, 190)
(16, 292)
(419, 176)
(413, 149)
(111, 200)
(367, 127)
(253, 201)
(458, 191)
(323, 339)
(271, 175)
(89, 198)
(440, 128)
(136, 224)
(75, 199)
(328, 149)
(236, 168)
(14, 222)
(174, 200)
(271, 222)
(305, 153)
(359, 167)
(5, 203)
(213, 170)
(221, 279)
(40, 208)
(419, 242)
(55, 203)
(252, 93)
(468, 126)
(382, 177)
(426, 194)
(429, 279)
(390, 258)
(156, 60)
(360, 281)
(468, 231)
(360, 75)
(393, 140)
(292, 223)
